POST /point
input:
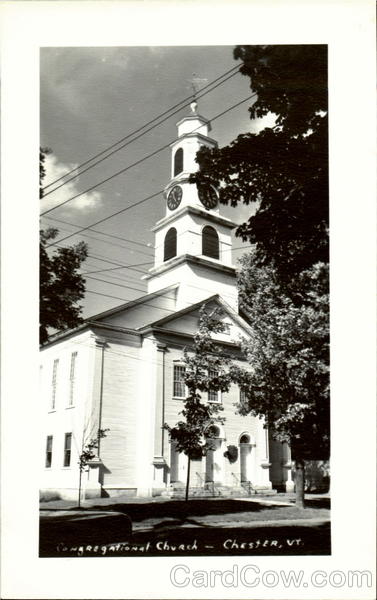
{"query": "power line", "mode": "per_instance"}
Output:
(138, 130)
(117, 237)
(126, 277)
(132, 267)
(113, 244)
(130, 142)
(117, 284)
(106, 218)
(122, 171)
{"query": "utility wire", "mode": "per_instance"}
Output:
(112, 244)
(140, 129)
(116, 237)
(127, 143)
(106, 218)
(122, 171)
(132, 267)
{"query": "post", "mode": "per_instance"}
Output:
(289, 484)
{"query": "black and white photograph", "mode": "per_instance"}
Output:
(186, 387)
(191, 372)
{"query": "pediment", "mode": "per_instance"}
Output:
(186, 321)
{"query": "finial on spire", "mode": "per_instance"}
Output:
(195, 84)
(194, 106)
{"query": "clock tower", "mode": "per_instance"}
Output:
(192, 241)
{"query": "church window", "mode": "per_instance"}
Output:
(72, 377)
(48, 461)
(179, 387)
(210, 242)
(67, 449)
(214, 395)
(243, 399)
(54, 383)
(170, 245)
(245, 439)
(178, 162)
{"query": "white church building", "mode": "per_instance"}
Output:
(122, 369)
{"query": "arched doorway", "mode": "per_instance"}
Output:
(214, 457)
(245, 457)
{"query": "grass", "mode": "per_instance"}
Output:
(209, 521)
(156, 513)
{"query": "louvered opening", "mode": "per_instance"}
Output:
(178, 162)
(210, 242)
(170, 245)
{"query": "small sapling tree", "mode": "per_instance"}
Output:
(89, 451)
(206, 371)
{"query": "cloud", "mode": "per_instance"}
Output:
(56, 169)
(256, 125)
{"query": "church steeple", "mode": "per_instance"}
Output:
(192, 241)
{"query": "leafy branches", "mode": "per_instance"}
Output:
(207, 371)
(61, 285)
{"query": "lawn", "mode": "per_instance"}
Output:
(103, 522)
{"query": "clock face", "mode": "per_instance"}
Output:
(207, 196)
(175, 197)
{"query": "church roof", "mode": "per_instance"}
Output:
(140, 316)
(132, 303)
(214, 299)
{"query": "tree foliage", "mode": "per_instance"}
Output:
(207, 369)
(89, 452)
(288, 354)
(282, 171)
(61, 285)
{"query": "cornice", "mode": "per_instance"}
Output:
(201, 212)
(194, 134)
(195, 260)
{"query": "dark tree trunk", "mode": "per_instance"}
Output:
(188, 477)
(300, 482)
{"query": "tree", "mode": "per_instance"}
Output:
(283, 172)
(61, 285)
(207, 370)
(88, 452)
(288, 356)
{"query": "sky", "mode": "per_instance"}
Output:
(92, 97)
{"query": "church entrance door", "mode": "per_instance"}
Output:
(245, 458)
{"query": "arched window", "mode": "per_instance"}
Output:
(170, 244)
(178, 162)
(210, 242)
(245, 439)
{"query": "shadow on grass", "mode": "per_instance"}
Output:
(173, 508)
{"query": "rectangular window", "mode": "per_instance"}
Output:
(72, 375)
(67, 449)
(48, 461)
(54, 383)
(214, 395)
(179, 388)
(242, 397)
